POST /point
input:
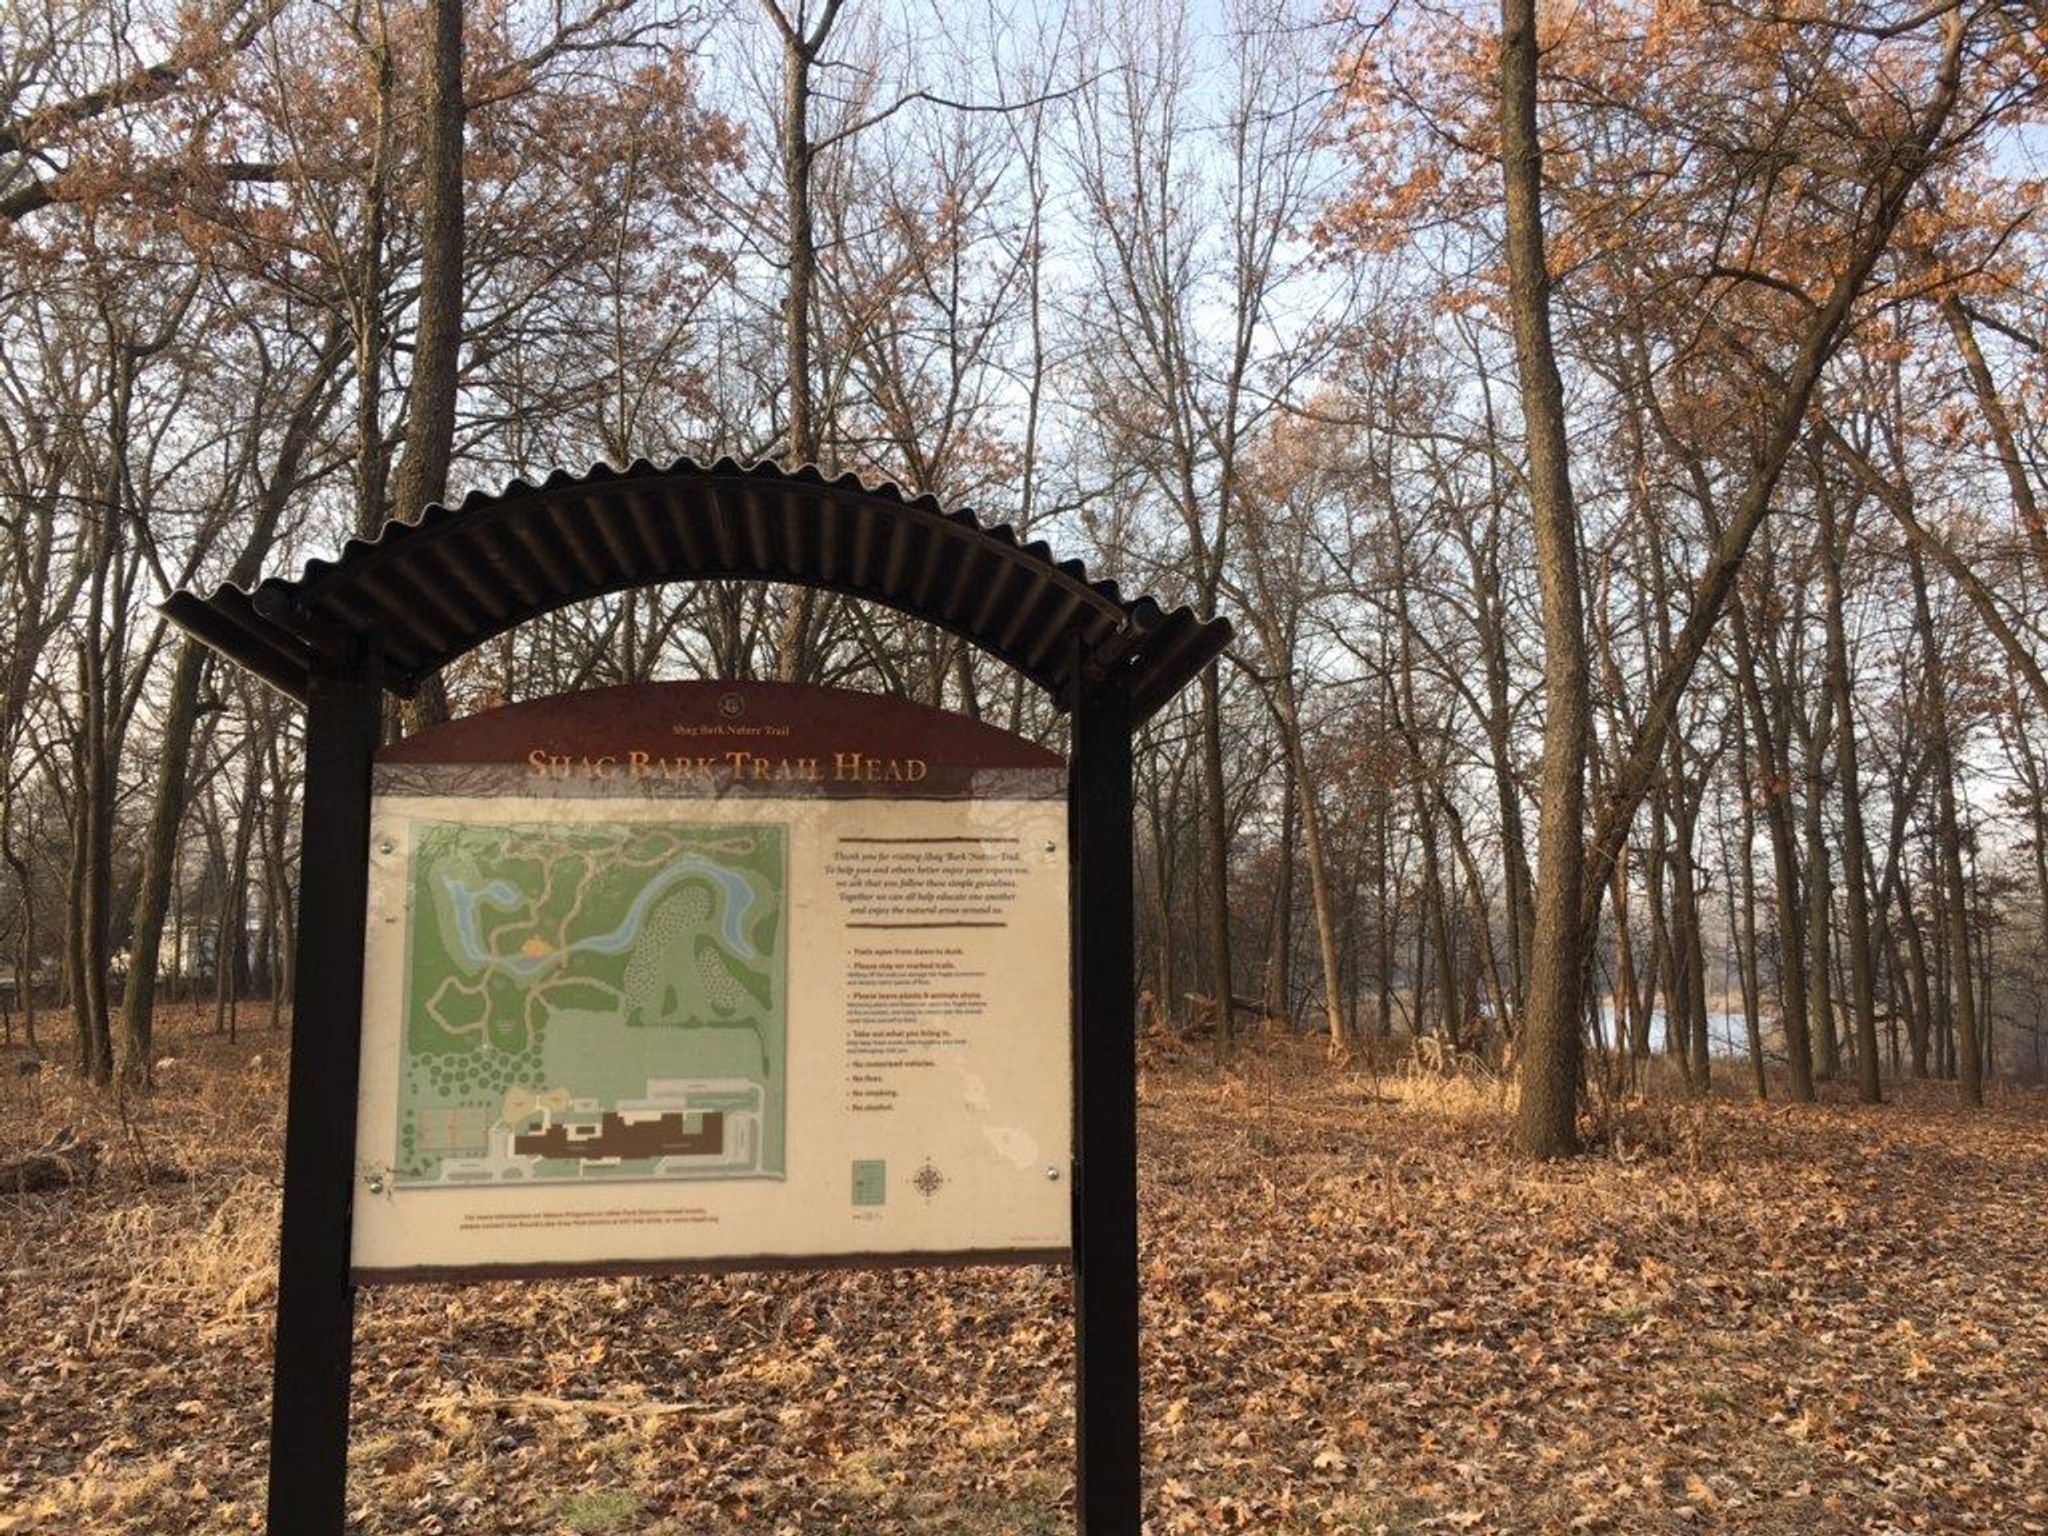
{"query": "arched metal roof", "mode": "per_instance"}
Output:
(420, 594)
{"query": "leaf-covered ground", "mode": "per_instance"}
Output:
(1362, 1315)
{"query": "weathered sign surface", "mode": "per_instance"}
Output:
(690, 975)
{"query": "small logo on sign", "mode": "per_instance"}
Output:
(732, 705)
(870, 1181)
(928, 1180)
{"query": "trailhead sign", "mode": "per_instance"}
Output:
(711, 975)
(689, 975)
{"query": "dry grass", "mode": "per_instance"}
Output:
(1362, 1315)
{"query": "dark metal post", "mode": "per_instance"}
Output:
(1106, 1488)
(315, 1304)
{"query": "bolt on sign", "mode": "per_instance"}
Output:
(689, 974)
(704, 975)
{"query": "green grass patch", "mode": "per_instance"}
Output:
(587, 1513)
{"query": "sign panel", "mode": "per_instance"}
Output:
(693, 975)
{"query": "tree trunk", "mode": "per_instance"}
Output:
(1692, 951)
(366, 306)
(1820, 1006)
(1747, 962)
(159, 862)
(93, 1049)
(2024, 503)
(1855, 845)
(422, 477)
(795, 660)
(1920, 1029)
(1383, 915)
(1623, 991)
(1280, 949)
(1948, 836)
(1216, 858)
(1321, 895)
(1775, 776)
(1663, 948)
(1546, 1123)
(96, 786)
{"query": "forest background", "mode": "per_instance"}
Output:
(1237, 304)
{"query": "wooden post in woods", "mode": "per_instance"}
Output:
(315, 1301)
(1106, 1490)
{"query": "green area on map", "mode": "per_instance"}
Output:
(594, 1001)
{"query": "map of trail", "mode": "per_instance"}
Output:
(594, 1001)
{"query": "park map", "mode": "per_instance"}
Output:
(594, 1001)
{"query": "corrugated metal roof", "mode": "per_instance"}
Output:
(422, 593)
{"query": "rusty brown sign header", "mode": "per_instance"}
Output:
(719, 738)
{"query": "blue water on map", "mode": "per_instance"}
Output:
(469, 902)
